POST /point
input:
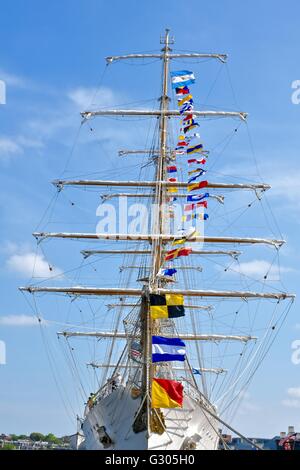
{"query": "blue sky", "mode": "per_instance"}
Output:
(52, 60)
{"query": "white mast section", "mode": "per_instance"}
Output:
(151, 237)
(168, 55)
(187, 337)
(79, 290)
(162, 113)
(87, 253)
(196, 307)
(152, 184)
(95, 365)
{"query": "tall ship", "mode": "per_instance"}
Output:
(174, 349)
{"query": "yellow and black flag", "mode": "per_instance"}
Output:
(166, 306)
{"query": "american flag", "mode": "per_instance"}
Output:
(135, 351)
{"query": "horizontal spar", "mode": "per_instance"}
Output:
(160, 112)
(151, 237)
(87, 253)
(196, 307)
(80, 290)
(191, 55)
(136, 366)
(152, 184)
(187, 337)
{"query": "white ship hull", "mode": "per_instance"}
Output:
(189, 427)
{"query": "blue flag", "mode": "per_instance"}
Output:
(167, 349)
(196, 371)
(196, 197)
(193, 178)
(169, 271)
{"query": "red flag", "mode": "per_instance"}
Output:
(190, 207)
(181, 143)
(171, 169)
(192, 187)
(172, 254)
(188, 117)
(182, 91)
(195, 160)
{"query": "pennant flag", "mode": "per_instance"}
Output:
(183, 90)
(182, 78)
(190, 127)
(191, 207)
(194, 186)
(191, 161)
(196, 371)
(166, 306)
(193, 136)
(173, 254)
(167, 349)
(194, 148)
(179, 152)
(186, 107)
(191, 172)
(169, 271)
(182, 137)
(187, 118)
(166, 393)
(196, 197)
(181, 143)
(179, 241)
(200, 173)
(189, 217)
(171, 169)
(184, 99)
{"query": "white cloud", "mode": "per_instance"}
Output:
(20, 320)
(10, 147)
(260, 268)
(287, 186)
(31, 264)
(86, 97)
(294, 398)
(294, 392)
(13, 80)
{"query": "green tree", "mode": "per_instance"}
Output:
(52, 439)
(8, 447)
(37, 436)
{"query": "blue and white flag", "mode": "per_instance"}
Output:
(196, 197)
(167, 349)
(196, 371)
(182, 78)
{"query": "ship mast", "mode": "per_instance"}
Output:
(159, 236)
(164, 105)
(157, 250)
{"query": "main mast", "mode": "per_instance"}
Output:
(160, 191)
(158, 226)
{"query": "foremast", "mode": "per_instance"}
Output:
(158, 227)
